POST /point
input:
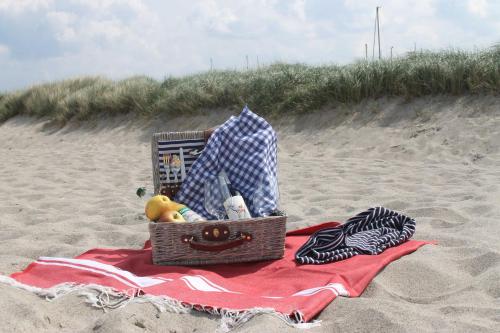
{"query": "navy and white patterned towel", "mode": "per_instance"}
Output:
(245, 147)
(369, 232)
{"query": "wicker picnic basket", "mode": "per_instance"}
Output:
(208, 242)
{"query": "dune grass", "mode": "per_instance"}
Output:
(278, 88)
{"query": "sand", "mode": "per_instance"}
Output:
(437, 160)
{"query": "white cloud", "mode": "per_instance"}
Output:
(111, 30)
(98, 5)
(118, 38)
(216, 18)
(4, 50)
(298, 8)
(478, 7)
(19, 6)
(430, 24)
(63, 25)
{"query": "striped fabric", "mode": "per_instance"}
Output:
(369, 232)
(191, 148)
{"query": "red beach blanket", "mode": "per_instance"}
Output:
(296, 292)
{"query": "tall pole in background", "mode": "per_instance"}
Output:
(391, 51)
(378, 30)
(211, 64)
(366, 51)
(374, 36)
(247, 60)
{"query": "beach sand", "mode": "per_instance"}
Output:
(68, 190)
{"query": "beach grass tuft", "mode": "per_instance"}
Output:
(278, 88)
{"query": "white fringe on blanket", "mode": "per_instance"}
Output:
(106, 298)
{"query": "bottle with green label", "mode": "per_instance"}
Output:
(189, 215)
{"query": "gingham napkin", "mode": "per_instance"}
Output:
(245, 148)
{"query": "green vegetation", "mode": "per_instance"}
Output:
(278, 88)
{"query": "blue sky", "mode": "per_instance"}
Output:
(46, 40)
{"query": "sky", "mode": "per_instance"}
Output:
(47, 40)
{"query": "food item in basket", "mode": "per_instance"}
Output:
(159, 204)
(171, 216)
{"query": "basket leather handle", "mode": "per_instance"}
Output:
(191, 240)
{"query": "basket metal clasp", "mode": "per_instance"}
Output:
(215, 233)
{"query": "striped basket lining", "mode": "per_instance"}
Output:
(169, 143)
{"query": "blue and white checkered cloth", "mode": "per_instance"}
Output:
(245, 147)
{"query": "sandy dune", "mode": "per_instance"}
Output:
(437, 160)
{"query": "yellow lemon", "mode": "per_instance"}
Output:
(156, 206)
